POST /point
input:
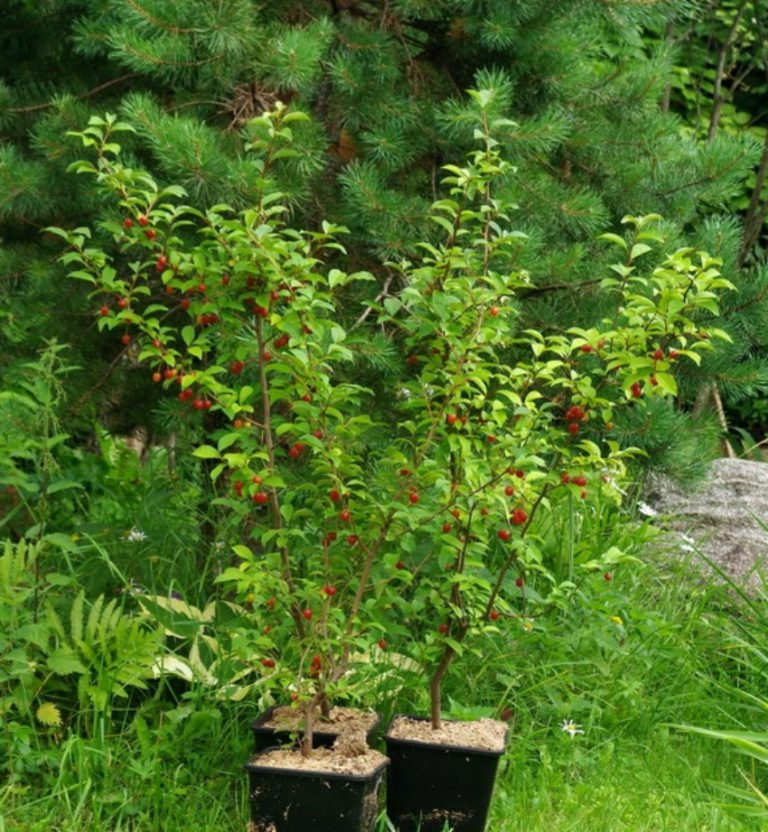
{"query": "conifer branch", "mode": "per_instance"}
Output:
(82, 96)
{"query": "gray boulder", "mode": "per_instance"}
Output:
(722, 518)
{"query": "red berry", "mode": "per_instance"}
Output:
(236, 367)
(157, 343)
(306, 397)
(509, 490)
(331, 536)
(491, 438)
(127, 223)
(581, 481)
(413, 497)
(400, 565)
(294, 452)
(456, 512)
(585, 348)
(345, 516)
(519, 582)
(573, 428)
(637, 390)
(451, 418)
(574, 414)
(125, 339)
(122, 303)
(199, 404)
(225, 280)
(334, 495)
(654, 381)
(282, 340)
(493, 615)
(316, 663)
(673, 354)
(353, 539)
(447, 527)
(565, 478)
(162, 262)
(261, 311)
(274, 295)
(143, 220)
(519, 473)
(104, 311)
(201, 287)
(260, 497)
(412, 360)
(307, 614)
(442, 628)
(519, 516)
(238, 488)
(268, 662)
(493, 311)
(156, 377)
(318, 434)
(330, 591)
(184, 304)
(169, 373)
(382, 645)
(583, 494)
(658, 355)
(485, 511)
(256, 479)
(150, 233)
(405, 472)
(266, 355)
(504, 534)
(607, 576)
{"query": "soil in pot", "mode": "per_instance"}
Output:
(281, 725)
(332, 789)
(442, 777)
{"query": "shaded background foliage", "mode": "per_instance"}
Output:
(613, 108)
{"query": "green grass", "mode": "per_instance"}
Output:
(676, 658)
(620, 786)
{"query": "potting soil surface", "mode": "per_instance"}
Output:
(322, 760)
(480, 734)
(340, 719)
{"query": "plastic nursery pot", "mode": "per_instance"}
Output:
(431, 787)
(292, 800)
(265, 736)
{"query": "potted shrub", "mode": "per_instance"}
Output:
(504, 423)
(234, 313)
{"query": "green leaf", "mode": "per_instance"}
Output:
(206, 452)
(64, 661)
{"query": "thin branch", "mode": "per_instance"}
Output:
(718, 99)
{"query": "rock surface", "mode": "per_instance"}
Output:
(722, 518)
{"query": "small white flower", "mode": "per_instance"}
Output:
(404, 393)
(571, 728)
(687, 543)
(219, 545)
(645, 509)
(135, 535)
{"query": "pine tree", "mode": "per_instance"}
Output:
(579, 91)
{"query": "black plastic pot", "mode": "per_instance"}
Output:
(290, 800)
(265, 737)
(431, 785)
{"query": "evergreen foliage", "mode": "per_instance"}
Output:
(584, 86)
